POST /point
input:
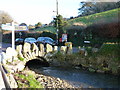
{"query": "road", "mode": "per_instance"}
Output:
(4, 46)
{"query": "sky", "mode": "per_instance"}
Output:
(34, 11)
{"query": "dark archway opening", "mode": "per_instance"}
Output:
(34, 63)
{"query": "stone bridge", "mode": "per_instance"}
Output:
(24, 53)
(32, 51)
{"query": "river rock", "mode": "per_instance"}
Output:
(100, 71)
(20, 66)
(82, 51)
(11, 68)
(52, 82)
(91, 69)
(16, 66)
(94, 50)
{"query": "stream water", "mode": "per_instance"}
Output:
(79, 77)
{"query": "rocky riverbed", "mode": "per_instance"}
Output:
(45, 81)
(52, 82)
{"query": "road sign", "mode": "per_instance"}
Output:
(7, 27)
(86, 41)
(15, 28)
(21, 28)
(64, 37)
(12, 27)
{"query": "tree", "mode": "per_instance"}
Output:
(31, 27)
(23, 24)
(38, 25)
(88, 8)
(61, 24)
(5, 17)
(75, 33)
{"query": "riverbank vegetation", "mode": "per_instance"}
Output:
(26, 79)
(106, 60)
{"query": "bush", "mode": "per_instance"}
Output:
(110, 49)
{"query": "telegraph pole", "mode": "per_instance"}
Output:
(0, 35)
(57, 21)
(13, 36)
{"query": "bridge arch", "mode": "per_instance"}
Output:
(37, 62)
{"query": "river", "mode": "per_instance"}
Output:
(79, 77)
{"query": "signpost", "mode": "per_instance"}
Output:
(13, 28)
(64, 37)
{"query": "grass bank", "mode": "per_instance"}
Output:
(107, 16)
(106, 60)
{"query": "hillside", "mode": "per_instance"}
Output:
(47, 29)
(107, 16)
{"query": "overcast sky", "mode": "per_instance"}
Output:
(33, 11)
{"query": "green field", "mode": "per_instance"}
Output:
(107, 16)
(47, 29)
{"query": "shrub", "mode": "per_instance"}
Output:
(110, 49)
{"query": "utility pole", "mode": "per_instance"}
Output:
(0, 35)
(13, 36)
(57, 20)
